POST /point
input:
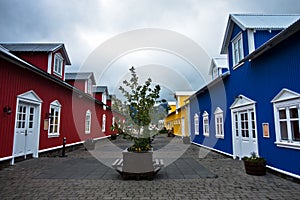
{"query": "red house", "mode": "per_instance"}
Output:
(39, 108)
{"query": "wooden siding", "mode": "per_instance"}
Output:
(260, 80)
(38, 59)
(16, 80)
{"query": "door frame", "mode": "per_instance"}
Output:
(242, 104)
(31, 98)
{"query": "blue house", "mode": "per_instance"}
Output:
(255, 105)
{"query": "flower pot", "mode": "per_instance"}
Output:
(257, 168)
(113, 136)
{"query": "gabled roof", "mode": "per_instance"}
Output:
(257, 22)
(5, 54)
(220, 62)
(37, 47)
(295, 27)
(100, 89)
(79, 76)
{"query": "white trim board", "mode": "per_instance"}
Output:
(212, 149)
(284, 172)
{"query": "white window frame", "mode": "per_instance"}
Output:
(286, 104)
(219, 123)
(205, 124)
(58, 64)
(89, 86)
(215, 72)
(54, 110)
(103, 123)
(104, 99)
(237, 50)
(88, 121)
(196, 124)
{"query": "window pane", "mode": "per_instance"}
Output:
(243, 133)
(295, 130)
(282, 114)
(51, 129)
(253, 130)
(293, 113)
(283, 130)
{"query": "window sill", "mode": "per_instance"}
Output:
(53, 135)
(57, 74)
(237, 65)
(87, 133)
(206, 135)
(288, 145)
(220, 136)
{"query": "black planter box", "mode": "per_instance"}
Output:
(257, 168)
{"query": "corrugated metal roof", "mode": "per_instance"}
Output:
(5, 54)
(220, 62)
(36, 47)
(78, 75)
(256, 21)
(286, 33)
(98, 88)
(42, 47)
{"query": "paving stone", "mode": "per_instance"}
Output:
(81, 176)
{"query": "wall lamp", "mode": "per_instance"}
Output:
(49, 115)
(7, 110)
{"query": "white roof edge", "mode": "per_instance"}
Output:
(184, 92)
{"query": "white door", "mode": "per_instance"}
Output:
(26, 130)
(245, 138)
(182, 127)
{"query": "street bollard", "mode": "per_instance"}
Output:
(63, 154)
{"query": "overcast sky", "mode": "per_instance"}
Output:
(94, 28)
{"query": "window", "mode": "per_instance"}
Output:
(88, 121)
(215, 73)
(58, 64)
(205, 124)
(54, 119)
(196, 123)
(219, 123)
(89, 86)
(287, 120)
(104, 99)
(103, 123)
(237, 49)
(113, 121)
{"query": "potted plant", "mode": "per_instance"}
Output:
(255, 165)
(139, 115)
(113, 128)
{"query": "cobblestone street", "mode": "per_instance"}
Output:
(81, 176)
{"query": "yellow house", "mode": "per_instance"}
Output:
(177, 120)
(172, 106)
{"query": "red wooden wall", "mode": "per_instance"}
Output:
(15, 80)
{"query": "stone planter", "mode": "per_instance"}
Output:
(138, 165)
(257, 168)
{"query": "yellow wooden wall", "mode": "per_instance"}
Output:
(174, 120)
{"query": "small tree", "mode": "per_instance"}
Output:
(140, 100)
